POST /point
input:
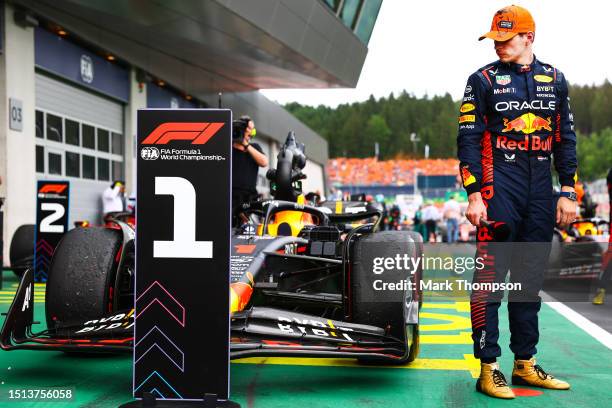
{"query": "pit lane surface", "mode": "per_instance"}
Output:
(444, 374)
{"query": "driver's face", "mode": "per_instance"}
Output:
(513, 49)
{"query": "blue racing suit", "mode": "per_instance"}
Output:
(512, 119)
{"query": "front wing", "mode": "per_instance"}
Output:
(259, 331)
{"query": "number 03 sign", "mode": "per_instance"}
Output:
(182, 264)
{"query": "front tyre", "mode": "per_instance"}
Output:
(81, 275)
(387, 309)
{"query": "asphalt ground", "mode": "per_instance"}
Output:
(577, 294)
(443, 375)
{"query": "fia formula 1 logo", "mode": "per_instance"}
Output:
(149, 153)
(196, 132)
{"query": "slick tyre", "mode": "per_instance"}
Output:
(384, 308)
(21, 251)
(81, 272)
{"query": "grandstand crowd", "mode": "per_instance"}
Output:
(370, 171)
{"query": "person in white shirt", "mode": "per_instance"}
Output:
(430, 216)
(112, 199)
(452, 214)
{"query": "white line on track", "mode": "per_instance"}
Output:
(595, 331)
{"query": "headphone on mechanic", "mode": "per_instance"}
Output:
(239, 126)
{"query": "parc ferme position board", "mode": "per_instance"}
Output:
(182, 253)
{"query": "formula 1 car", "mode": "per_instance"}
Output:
(302, 283)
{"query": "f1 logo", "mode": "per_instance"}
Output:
(197, 132)
(53, 188)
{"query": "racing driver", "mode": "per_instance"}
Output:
(515, 114)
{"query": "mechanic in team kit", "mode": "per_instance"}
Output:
(514, 114)
(113, 200)
(247, 157)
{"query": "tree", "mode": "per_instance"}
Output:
(352, 129)
(376, 131)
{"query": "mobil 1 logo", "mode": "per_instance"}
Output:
(52, 204)
(183, 250)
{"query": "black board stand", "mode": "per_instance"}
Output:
(149, 401)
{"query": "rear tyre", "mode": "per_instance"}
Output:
(383, 308)
(81, 272)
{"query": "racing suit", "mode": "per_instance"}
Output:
(512, 118)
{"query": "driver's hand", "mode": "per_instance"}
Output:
(566, 211)
(476, 209)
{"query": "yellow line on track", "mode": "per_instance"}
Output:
(468, 363)
(460, 338)
(457, 306)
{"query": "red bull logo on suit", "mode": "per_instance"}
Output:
(527, 123)
(537, 143)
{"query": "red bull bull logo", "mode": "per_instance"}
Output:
(527, 123)
(467, 177)
(503, 142)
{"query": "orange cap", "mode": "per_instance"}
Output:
(508, 22)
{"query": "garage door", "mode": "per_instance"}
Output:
(79, 137)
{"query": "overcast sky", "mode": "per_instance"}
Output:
(431, 47)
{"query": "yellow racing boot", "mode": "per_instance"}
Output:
(492, 382)
(527, 372)
(599, 297)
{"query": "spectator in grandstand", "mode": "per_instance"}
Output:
(452, 214)
(430, 215)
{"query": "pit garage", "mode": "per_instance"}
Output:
(80, 100)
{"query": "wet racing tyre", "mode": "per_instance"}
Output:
(81, 272)
(21, 251)
(384, 308)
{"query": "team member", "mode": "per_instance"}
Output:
(247, 157)
(515, 113)
(606, 263)
(452, 215)
(112, 199)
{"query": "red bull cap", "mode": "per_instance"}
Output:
(508, 22)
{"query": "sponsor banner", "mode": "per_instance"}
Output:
(183, 242)
(52, 205)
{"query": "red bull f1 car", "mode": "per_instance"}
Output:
(302, 284)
